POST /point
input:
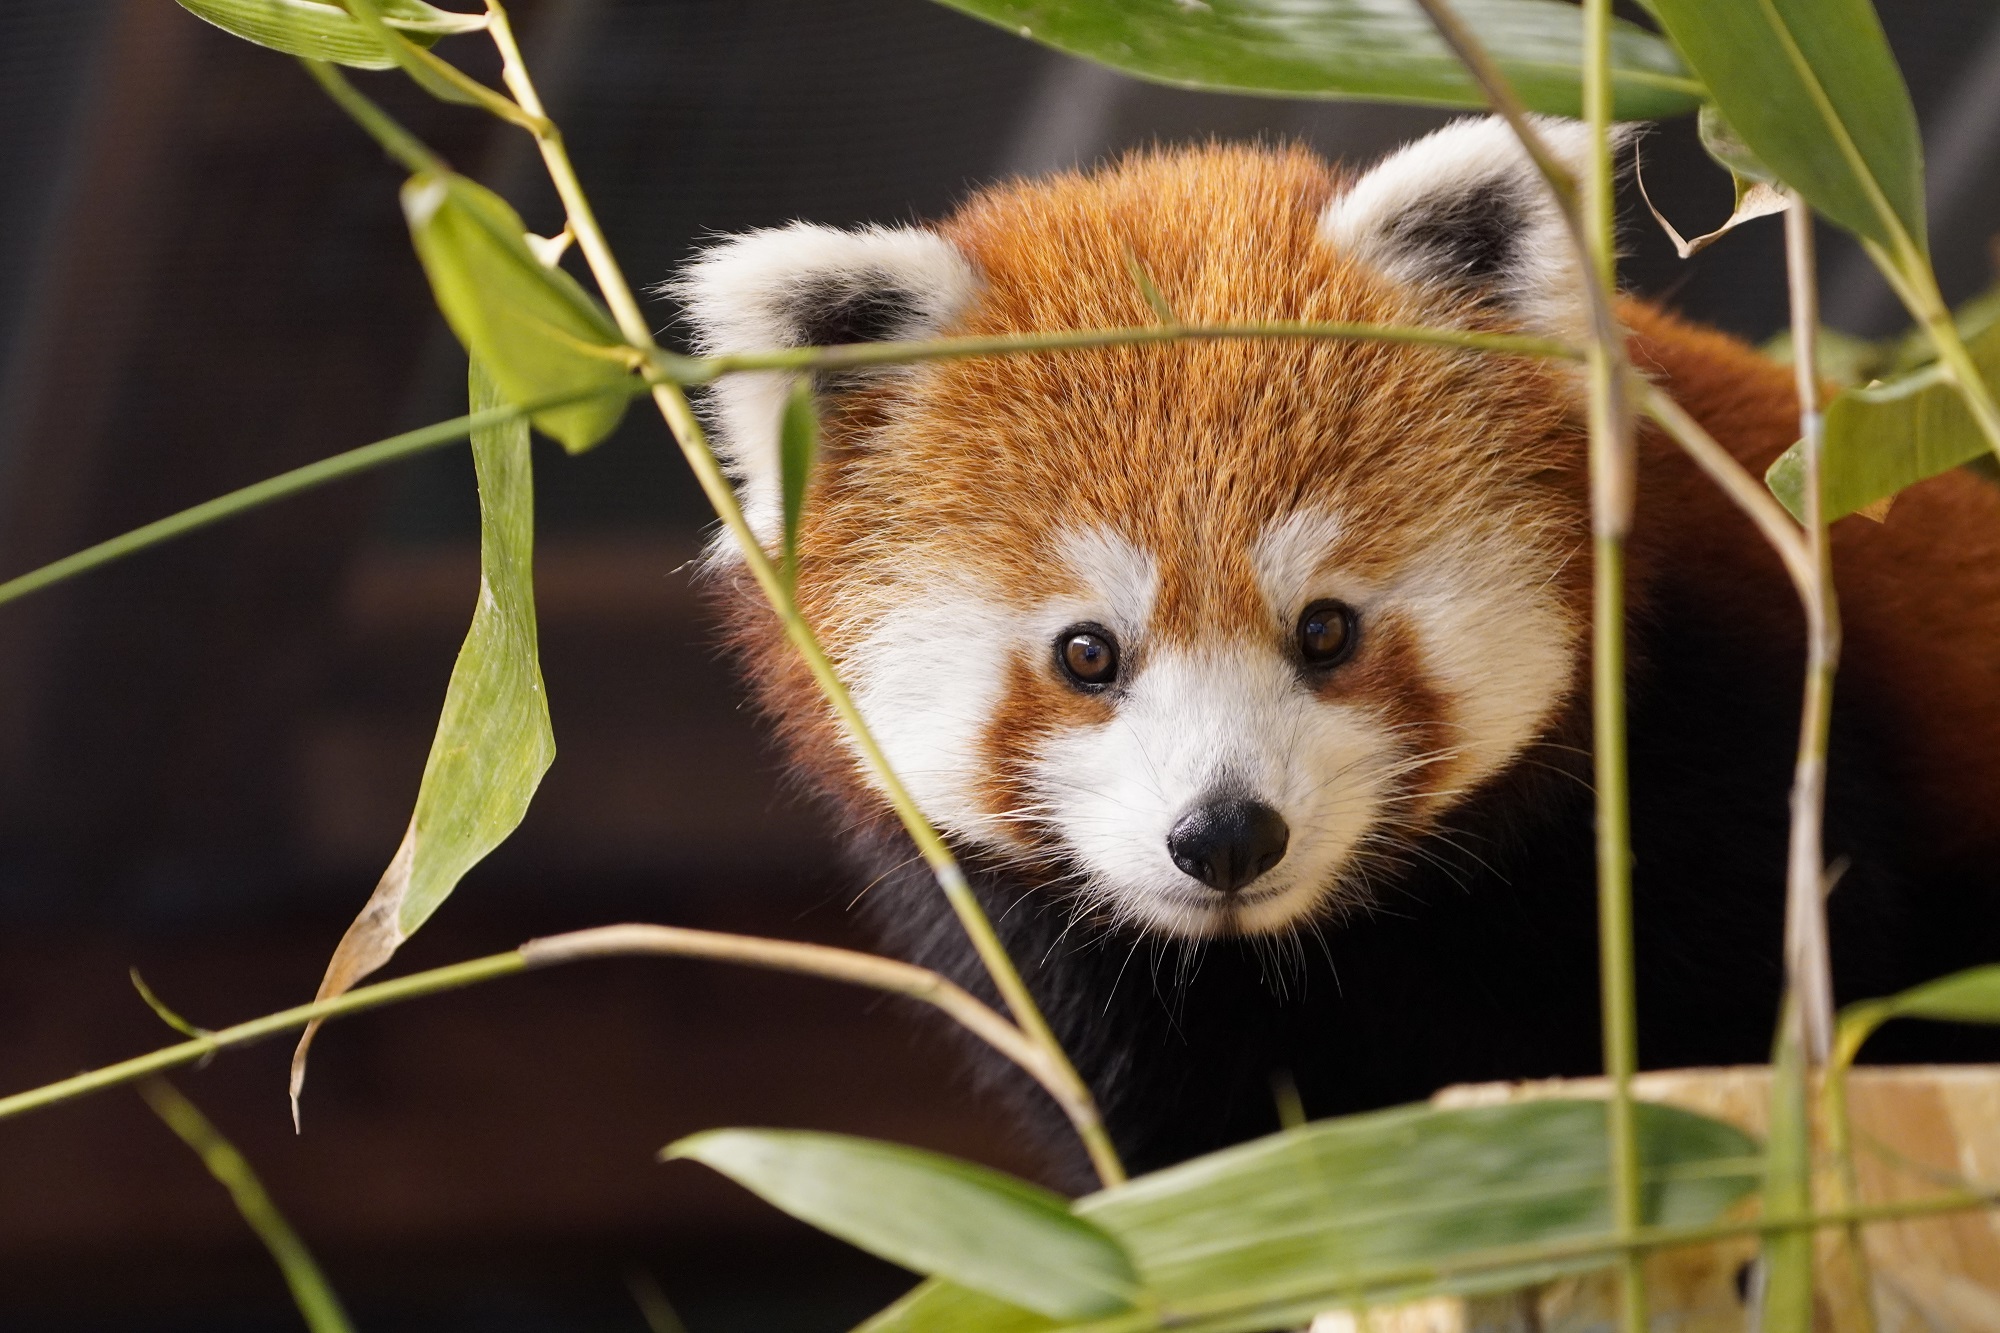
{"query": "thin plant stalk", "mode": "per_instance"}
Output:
(1588, 214)
(1613, 474)
(348, 464)
(1808, 950)
(850, 966)
(1808, 963)
(311, 1292)
(680, 418)
(704, 370)
(693, 370)
(1744, 490)
(866, 969)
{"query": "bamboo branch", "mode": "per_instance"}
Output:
(1613, 484)
(848, 966)
(1744, 490)
(679, 416)
(692, 370)
(347, 464)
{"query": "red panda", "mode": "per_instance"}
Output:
(1250, 677)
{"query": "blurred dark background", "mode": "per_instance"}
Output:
(208, 753)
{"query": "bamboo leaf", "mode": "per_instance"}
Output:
(493, 741)
(316, 1301)
(1812, 91)
(534, 328)
(1972, 996)
(984, 1230)
(1378, 49)
(1376, 1207)
(798, 447)
(321, 31)
(1883, 437)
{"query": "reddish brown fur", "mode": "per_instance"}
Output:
(977, 462)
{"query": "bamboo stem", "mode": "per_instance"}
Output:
(311, 1292)
(1808, 963)
(690, 370)
(681, 421)
(1745, 491)
(285, 484)
(849, 966)
(1588, 218)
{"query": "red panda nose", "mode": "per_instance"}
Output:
(1227, 843)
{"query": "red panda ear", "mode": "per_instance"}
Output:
(1464, 210)
(804, 286)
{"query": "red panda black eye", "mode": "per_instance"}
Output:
(1088, 655)
(1326, 633)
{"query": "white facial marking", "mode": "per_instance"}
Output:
(1497, 646)
(1190, 725)
(928, 679)
(1199, 723)
(1291, 557)
(1118, 581)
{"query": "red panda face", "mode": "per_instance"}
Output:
(1204, 635)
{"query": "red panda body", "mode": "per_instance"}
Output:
(1250, 677)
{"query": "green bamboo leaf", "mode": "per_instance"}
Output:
(1971, 996)
(320, 31)
(315, 1299)
(1811, 90)
(1785, 1292)
(937, 1306)
(798, 447)
(984, 1230)
(1377, 1207)
(493, 741)
(1883, 437)
(535, 329)
(1377, 49)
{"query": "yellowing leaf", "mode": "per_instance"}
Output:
(1811, 89)
(493, 742)
(320, 31)
(538, 333)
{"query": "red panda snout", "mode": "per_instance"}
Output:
(1175, 766)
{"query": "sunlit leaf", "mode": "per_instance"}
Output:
(1883, 437)
(1972, 996)
(327, 32)
(493, 741)
(1378, 49)
(798, 446)
(535, 329)
(317, 1303)
(1786, 1289)
(984, 1230)
(1812, 92)
(1379, 1207)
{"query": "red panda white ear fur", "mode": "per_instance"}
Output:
(800, 286)
(1464, 209)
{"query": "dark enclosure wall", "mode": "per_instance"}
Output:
(208, 753)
